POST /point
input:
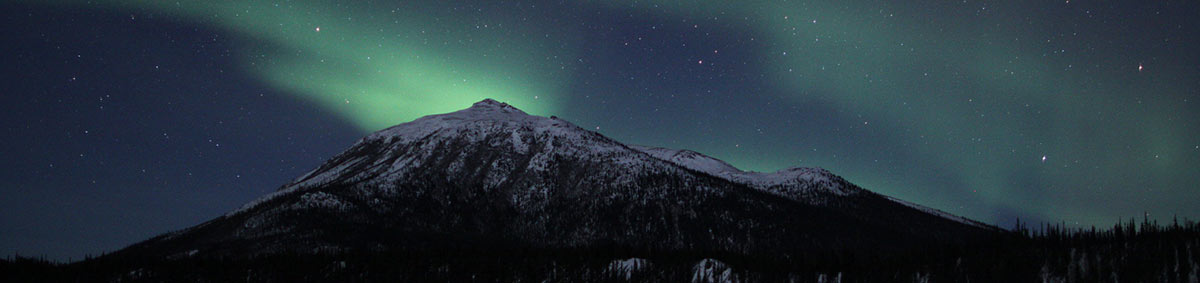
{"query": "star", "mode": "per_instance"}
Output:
(318, 29)
(1139, 67)
(1043, 159)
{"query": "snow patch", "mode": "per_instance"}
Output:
(826, 278)
(518, 144)
(321, 200)
(711, 270)
(627, 267)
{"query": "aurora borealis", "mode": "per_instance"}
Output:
(147, 116)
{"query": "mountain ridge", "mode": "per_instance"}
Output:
(492, 175)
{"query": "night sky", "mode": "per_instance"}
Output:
(127, 119)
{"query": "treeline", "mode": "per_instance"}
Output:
(1127, 252)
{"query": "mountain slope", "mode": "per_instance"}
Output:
(809, 185)
(491, 178)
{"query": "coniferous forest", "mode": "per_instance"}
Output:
(1130, 251)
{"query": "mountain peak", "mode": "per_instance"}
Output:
(490, 107)
(488, 102)
(492, 103)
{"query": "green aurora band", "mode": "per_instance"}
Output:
(976, 97)
(375, 66)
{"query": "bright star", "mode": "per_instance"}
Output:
(1043, 158)
(318, 29)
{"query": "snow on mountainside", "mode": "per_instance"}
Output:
(803, 178)
(791, 182)
(472, 125)
(690, 159)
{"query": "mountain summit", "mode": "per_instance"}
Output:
(491, 177)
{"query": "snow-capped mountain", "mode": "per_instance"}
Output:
(493, 177)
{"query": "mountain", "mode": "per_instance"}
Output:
(493, 178)
(490, 193)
